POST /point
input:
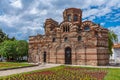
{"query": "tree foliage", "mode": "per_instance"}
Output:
(14, 50)
(112, 37)
(4, 37)
(21, 49)
(7, 49)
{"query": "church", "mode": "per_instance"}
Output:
(72, 41)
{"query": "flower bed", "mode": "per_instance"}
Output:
(66, 73)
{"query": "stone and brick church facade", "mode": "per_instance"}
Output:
(70, 42)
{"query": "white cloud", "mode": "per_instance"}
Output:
(43, 12)
(9, 20)
(103, 23)
(98, 12)
(113, 3)
(27, 16)
(16, 3)
(91, 18)
(104, 7)
(34, 11)
(104, 11)
(90, 12)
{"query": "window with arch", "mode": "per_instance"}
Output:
(66, 29)
(79, 38)
(87, 28)
(65, 39)
(54, 39)
(51, 29)
(75, 18)
(63, 29)
(96, 34)
(69, 17)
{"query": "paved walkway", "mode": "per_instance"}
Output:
(21, 70)
(43, 66)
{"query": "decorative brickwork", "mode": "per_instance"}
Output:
(70, 42)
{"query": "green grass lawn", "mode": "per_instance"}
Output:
(113, 74)
(5, 65)
(68, 73)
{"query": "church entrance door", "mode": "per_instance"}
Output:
(44, 57)
(68, 55)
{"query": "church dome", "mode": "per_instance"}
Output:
(73, 15)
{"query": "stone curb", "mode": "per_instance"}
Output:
(18, 67)
(95, 66)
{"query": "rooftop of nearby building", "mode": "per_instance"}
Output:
(116, 45)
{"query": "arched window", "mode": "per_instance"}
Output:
(44, 56)
(66, 39)
(69, 17)
(86, 28)
(79, 30)
(54, 39)
(66, 29)
(96, 34)
(79, 38)
(63, 29)
(75, 18)
(51, 29)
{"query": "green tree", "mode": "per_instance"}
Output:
(14, 50)
(22, 49)
(3, 36)
(112, 37)
(13, 38)
(8, 49)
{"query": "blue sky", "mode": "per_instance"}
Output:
(24, 18)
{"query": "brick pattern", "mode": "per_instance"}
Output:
(90, 49)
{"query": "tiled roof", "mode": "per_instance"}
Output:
(116, 45)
